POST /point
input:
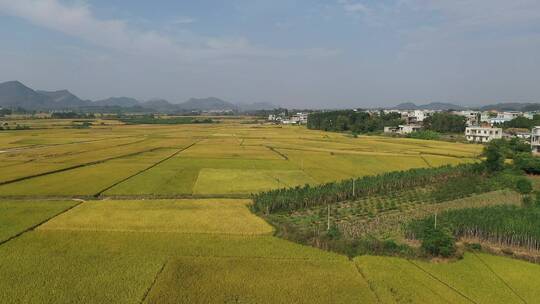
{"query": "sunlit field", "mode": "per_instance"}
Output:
(160, 214)
(207, 160)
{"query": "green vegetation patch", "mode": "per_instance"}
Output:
(17, 216)
(246, 280)
(503, 225)
(183, 216)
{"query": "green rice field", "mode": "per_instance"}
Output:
(160, 214)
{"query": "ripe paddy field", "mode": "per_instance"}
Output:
(160, 214)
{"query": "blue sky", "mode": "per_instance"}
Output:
(318, 53)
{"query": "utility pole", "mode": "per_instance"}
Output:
(435, 220)
(353, 182)
(328, 219)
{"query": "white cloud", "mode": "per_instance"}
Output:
(77, 20)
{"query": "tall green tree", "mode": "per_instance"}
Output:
(494, 158)
(445, 123)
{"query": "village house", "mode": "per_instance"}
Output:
(472, 117)
(535, 140)
(482, 134)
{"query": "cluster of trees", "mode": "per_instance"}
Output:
(71, 115)
(444, 122)
(4, 112)
(504, 225)
(522, 122)
(320, 195)
(348, 120)
(425, 134)
(498, 150)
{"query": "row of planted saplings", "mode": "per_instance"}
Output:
(321, 195)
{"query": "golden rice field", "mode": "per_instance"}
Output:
(159, 214)
(227, 159)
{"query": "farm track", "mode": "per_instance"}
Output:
(426, 161)
(146, 169)
(285, 157)
(368, 282)
(153, 283)
(32, 228)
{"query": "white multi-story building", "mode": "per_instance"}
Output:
(535, 140)
(402, 129)
(471, 116)
(415, 116)
(482, 134)
(298, 119)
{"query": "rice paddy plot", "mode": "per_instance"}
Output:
(520, 276)
(326, 167)
(85, 181)
(487, 287)
(468, 280)
(119, 267)
(17, 216)
(234, 280)
(229, 150)
(220, 216)
(178, 176)
(396, 280)
(233, 181)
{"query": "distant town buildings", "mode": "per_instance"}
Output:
(482, 134)
(296, 119)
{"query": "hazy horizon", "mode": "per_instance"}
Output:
(305, 54)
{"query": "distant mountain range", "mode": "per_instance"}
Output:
(439, 106)
(14, 94)
(434, 106)
(512, 106)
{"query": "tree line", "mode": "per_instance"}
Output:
(503, 225)
(348, 120)
(320, 195)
